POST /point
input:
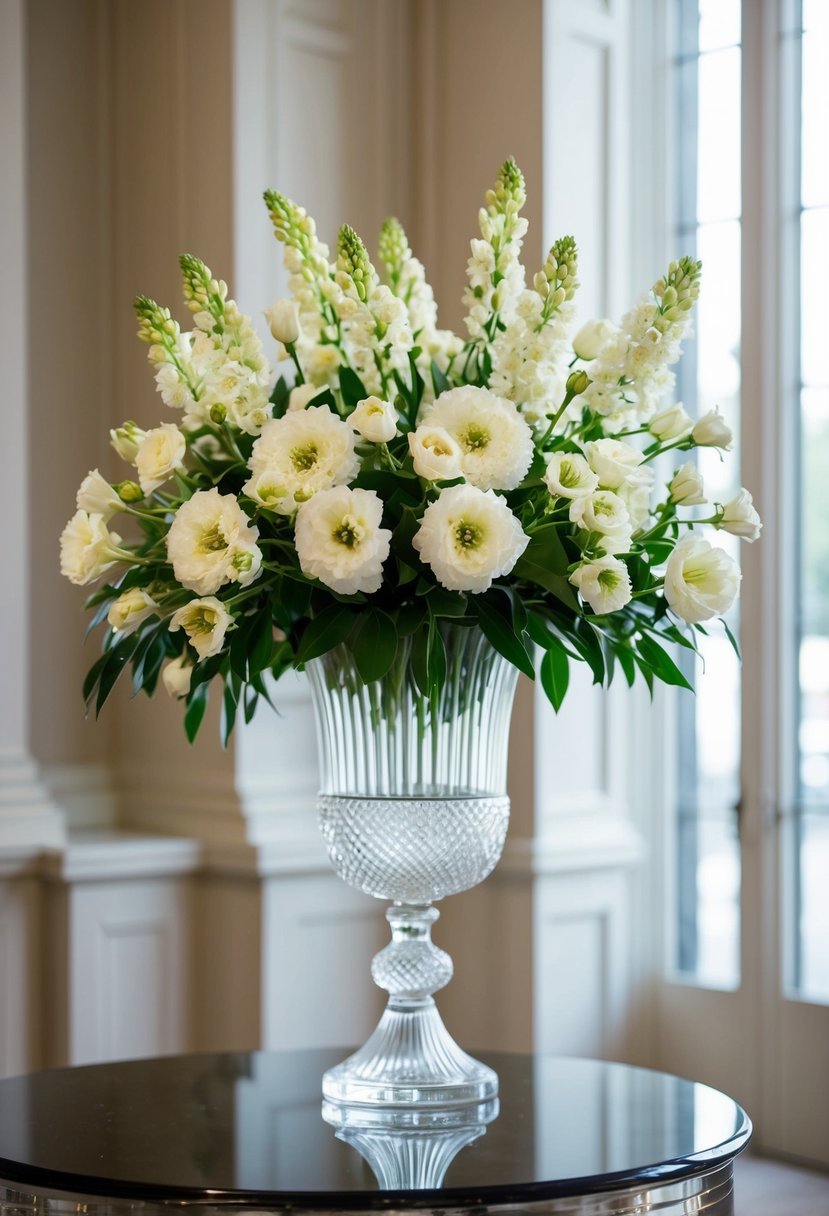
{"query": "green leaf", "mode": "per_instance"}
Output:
(325, 632)
(446, 603)
(260, 642)
(439, 381)
(410, 617)
(661, 663)
(374, 644)
(732, 640)
(555, 676)
(116, 660)
(546, 550)
(499, 631)
(428, 658)
(627, 662)
(556, 584)
(588, 644)
(229, 707)
(279, 397)
(352, 388)
(196, 705)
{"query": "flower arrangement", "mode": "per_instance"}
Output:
(397, 475)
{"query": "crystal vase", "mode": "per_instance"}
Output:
(413, 807)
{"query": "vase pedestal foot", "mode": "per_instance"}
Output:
(410, 1060)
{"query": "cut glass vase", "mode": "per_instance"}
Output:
(413, 807)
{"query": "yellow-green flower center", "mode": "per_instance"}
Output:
(303, 459)
(609, 580)
(348, 532)
(568, 474)
(468, 535)
(475, 438)
(213, 539)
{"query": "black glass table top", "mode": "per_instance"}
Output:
(248, 1127)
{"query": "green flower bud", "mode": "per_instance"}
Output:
(218, 413)
(577, 383)
(129, 491)
(393, 247)
(353, 261)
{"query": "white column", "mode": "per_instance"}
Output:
(27, 817)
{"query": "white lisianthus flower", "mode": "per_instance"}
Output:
(435, 454)
(496, 442)
(592, 338)
(671, 423)
(211, 543)
(740, 518)
(605, 513)
(603, 583)
(469, 537)
(568, 475)
(712, 431)
(88, 549)
(160, 454)
(374, 419)
(339, 539)
(636, 495)
(301, 395)
(701, 582)
(283, 322)
(303, 452)
(613, 461)
(130, 609)
(97, 497)
(125, 439)
(686, 487)
(176, 676)
(205, 621)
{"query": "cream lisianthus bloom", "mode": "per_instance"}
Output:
(374, 419)
(496, 442)
(130, 609)
(740, 518)
(205, 621)
(339, 539)
(606, 514)
(176, 676)
(701, 582)
(301, 394)
(160, 454)
(568, 475)
(469, 537)
(636, 495)
(671, 423)
(435, 454)
(613, 461)
(603, 583)
(592, 338)
(303, 452)
(712, 431)
(97, 497)
(211, 542)
(686, 487)
(88, 549)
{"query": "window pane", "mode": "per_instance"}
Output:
(808, 888)
(708, 787)
(719, 24)
(814, 906)
(718, 166)
(815, 117)
(814, 291)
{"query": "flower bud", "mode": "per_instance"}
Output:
(712, 431)
(129, 491)
(577, 382)
(671, 423)
(126, 439)
(592, 337)
(218, 412)
(740, 518)
(686, 488)
(176, 676)
(283, 321)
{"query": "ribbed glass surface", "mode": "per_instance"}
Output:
(385, 739)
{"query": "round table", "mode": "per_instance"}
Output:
(565, 1136)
